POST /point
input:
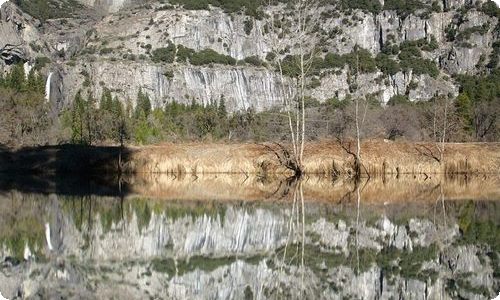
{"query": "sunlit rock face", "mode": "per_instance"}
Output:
(241, 88)
(109, 6)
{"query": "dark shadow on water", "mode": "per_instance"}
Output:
(73, 185)
(63, 159)
(63, 169)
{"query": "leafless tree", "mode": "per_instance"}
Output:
(297, 33)
(486, 121)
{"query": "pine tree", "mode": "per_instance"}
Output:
(143, 105)
(221, 110)
(17, 78)
(35, 82)
(77, 119)
(106, 100)
(463, 106)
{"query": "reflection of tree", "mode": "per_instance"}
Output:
(294, 251)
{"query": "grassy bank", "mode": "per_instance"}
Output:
(329, 158)
(326, 158)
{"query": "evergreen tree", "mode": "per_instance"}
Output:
(222, 112)
(143, 105)
(77, 119)
(106, 100)
(17, 78)
(463, 106)
(35, 82)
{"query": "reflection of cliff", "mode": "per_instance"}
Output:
(212, 250)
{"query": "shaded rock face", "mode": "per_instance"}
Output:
(234, 251)
(115, 51)
(16, 31)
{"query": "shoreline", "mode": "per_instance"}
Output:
(320, 158)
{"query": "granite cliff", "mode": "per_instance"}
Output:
(111, 44)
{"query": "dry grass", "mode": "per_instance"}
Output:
(379, 157)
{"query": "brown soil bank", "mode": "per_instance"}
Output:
(379, 157)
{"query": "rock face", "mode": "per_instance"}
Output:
(114, 51)
(257, 88)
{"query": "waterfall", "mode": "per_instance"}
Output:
(27, 69)
(47, 236)
(47, 87)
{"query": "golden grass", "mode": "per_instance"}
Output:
(378, 157)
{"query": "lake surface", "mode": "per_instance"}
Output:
(246, 237)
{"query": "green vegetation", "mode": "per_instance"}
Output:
(386, 64)
(366, 5)
(248, 26)
(409, 54)
(201, 263)
(49, 9)
(23, 231)
(466, 33)
(25, 119)
(403, 7)
(249, 7)
(491, 9)
(476, 231)
(410, 57)
(359, 58)
(184, 54)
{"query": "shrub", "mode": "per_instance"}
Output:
(166, 55)
(248, 26)
(209, 56)
(387, 65)
(365, 5)
(398, 100)
(254, 60)
(491, 9)
(403, 7)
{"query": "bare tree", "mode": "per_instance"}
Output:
(297, 33)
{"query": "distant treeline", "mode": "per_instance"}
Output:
(27, 117)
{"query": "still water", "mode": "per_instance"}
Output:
(244, 237)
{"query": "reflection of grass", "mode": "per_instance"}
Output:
(110, 211)
(143, 212)
(206, 264)
(175, 211)
(454, 285)
(477, 231)
(256, 259)
(166, 266)
(392, 261)
(22, 231)
(314, 257)
(408, 264)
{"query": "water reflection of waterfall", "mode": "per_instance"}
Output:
(47, 87)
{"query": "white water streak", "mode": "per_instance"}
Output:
(47, 236)
(47, 87)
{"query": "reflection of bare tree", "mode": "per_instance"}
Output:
(358, 202)
(441, 199)
(294, 252)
